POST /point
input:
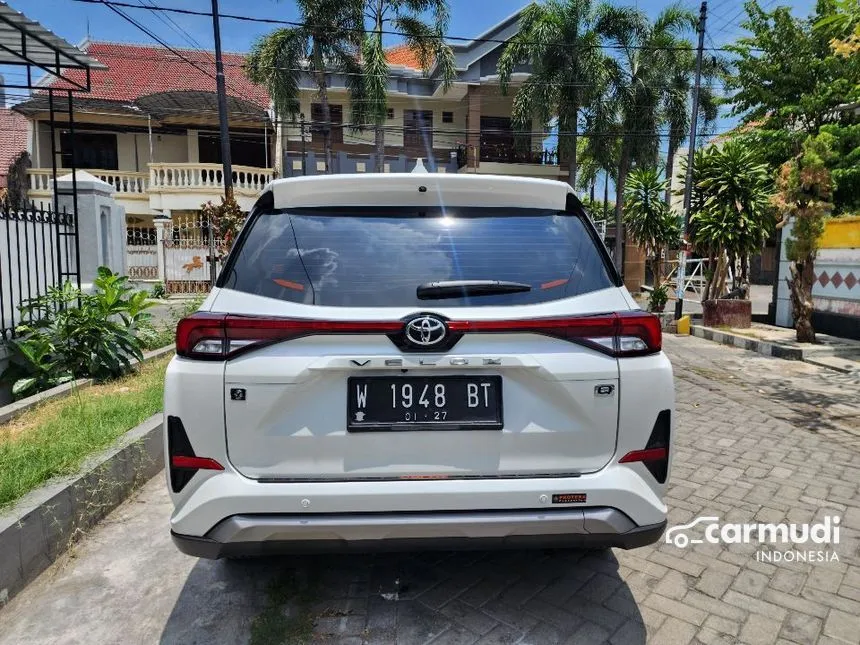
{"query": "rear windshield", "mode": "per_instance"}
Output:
(380, 257)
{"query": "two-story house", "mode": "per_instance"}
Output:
(149, 126)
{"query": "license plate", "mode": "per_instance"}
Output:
(424, 403)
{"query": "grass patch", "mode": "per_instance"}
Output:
(55, 438)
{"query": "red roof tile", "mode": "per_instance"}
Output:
(139, 70)
(402, 55)
(13, 139)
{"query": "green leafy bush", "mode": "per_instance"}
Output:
(158, 290)
(658, 298)
(72, 334)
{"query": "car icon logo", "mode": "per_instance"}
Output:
(426, 331)
(676, 536)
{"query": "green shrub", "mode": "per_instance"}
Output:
(74, 335)
(658, 298)
(158, 291)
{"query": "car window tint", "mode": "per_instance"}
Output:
(378, 259)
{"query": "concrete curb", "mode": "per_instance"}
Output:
(48, 520)
(750, 344)
(9, 412)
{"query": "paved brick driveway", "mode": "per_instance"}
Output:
(759, 440)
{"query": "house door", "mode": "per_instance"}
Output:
(418, 132)
(497, 139)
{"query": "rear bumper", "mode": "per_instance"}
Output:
(243, 535)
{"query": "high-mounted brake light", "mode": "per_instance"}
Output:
(212, 336)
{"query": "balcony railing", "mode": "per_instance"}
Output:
(205, 177)
(503, 153)
(125, 183)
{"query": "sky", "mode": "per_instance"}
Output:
(74, 21)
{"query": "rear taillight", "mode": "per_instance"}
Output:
(629, 333)
(210, 336)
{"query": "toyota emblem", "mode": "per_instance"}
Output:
(426, 331)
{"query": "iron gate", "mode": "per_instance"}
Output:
(186, 254)
(40, 247)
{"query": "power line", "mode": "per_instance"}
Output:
(149, 33)
(293, 23)
(165, 19)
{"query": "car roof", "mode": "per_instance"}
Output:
(419, 189)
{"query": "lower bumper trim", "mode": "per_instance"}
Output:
(249, 535)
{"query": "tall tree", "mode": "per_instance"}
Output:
(602, 132)
(426, 38)
(677, 99)
(804, 191)
(326, 40)
(788, 74)
(559, 40)
(639, 76)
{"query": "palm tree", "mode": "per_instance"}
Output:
(677, 96)
(561, 43)
(639, 75)
(602, 141)
(326, 40)
(426, 39)
(647, 217)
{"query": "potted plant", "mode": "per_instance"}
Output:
(658, 298)
(733, 220)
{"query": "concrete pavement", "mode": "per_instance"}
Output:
(759, 439)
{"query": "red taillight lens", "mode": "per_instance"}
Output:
(633, 333)
(642, 326)
(211, 336)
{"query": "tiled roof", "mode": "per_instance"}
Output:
(139, 70)
(402, 55)
(13, 139)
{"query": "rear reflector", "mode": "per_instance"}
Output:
(655, 456)
(652, 454)
(195, 463)
(213, 336)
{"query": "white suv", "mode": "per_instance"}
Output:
(412, 360)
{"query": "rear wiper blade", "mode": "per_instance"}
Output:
(460, 288)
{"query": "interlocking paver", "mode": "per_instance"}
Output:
(801, 628)
(843, 626)
(675, 632)
(756, 441)
(759, 630)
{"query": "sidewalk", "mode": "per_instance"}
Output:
(841, 354)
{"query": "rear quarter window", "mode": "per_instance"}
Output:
(378, 258)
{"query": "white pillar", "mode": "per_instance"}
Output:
(160, 225)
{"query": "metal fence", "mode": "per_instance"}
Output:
(38, 250)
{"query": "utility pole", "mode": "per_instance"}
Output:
(691, 154)
(226, 165)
